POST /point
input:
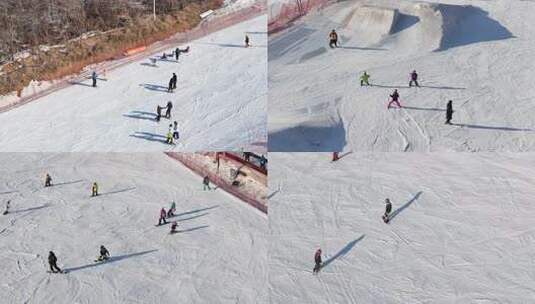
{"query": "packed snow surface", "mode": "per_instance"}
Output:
(220, 102)
(218, 256)
(461, 229)
(475, 53)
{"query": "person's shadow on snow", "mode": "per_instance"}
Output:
(347, 248)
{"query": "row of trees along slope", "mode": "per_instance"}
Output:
(48, 39)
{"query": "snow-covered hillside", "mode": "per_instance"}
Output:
(220, 102)
(218, 256)
(461, 228)
(476, 53)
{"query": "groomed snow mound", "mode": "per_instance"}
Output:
(218, 256)
(462, 52)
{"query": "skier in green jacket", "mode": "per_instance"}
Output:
(364, 79)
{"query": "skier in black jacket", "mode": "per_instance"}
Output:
(449, 112)
(52, 261)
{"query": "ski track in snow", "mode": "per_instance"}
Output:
(219, 257)
(220, 103)
(462, 233)
(486, 76)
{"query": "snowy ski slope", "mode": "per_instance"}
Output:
(218, 257)
(462, 233)
(220, 103)
(476, 53)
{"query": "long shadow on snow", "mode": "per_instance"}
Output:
(80, 83)
(403, 22)
(150, 137)
(30, 209)
(110, 260)
(195, 211)
(192, 217)
(308, 139)
(241, 46)
(141, 115)
(193, 229)
(68, 183)
(361, 48)
(470, 24)
(7, 192)
(424, 109)
(148, 64)
(407, 204)
(347, 248)
(490, 128)
(442, 88)
(117, 191)
(154, 87)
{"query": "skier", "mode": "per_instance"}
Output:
(171, 211)
(175, 130)
(388, 209)
(162, 217)
(170, 87)
(169, 107)
(174, 80)
(335, 156)
(395, 99)
(7, 207)
(153, 61)
(94, 78)
(247, 41)
(94, 189)
(206, 183)
(48, 180)
(174, 225)
(263, 162)
(333, 42)
(414, 78)
(164, 55)
(169, 137)
(364, 79)
(449, 112)
(52, 261)
(317, 260)
(158, 113)
(177, 53)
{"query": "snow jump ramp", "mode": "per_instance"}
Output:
(419, 26)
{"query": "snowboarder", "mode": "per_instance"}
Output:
(169, 107)
(174, 225)
(317, 260)
(171, 211)
(170, 86)
(174, 79)
(177, 53)
(247, 41)
(158, 113)
(164, 55)
(94, 189)
(48, 180)
(175, 130)
(395, 99)
(414, 78)
(162, 217)
(104, 254)
(388, 209)
(7, 208)
(52, 261)
(94, 78)
(449, 112)
(206, 183)
(364, 79)
(333, 42)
